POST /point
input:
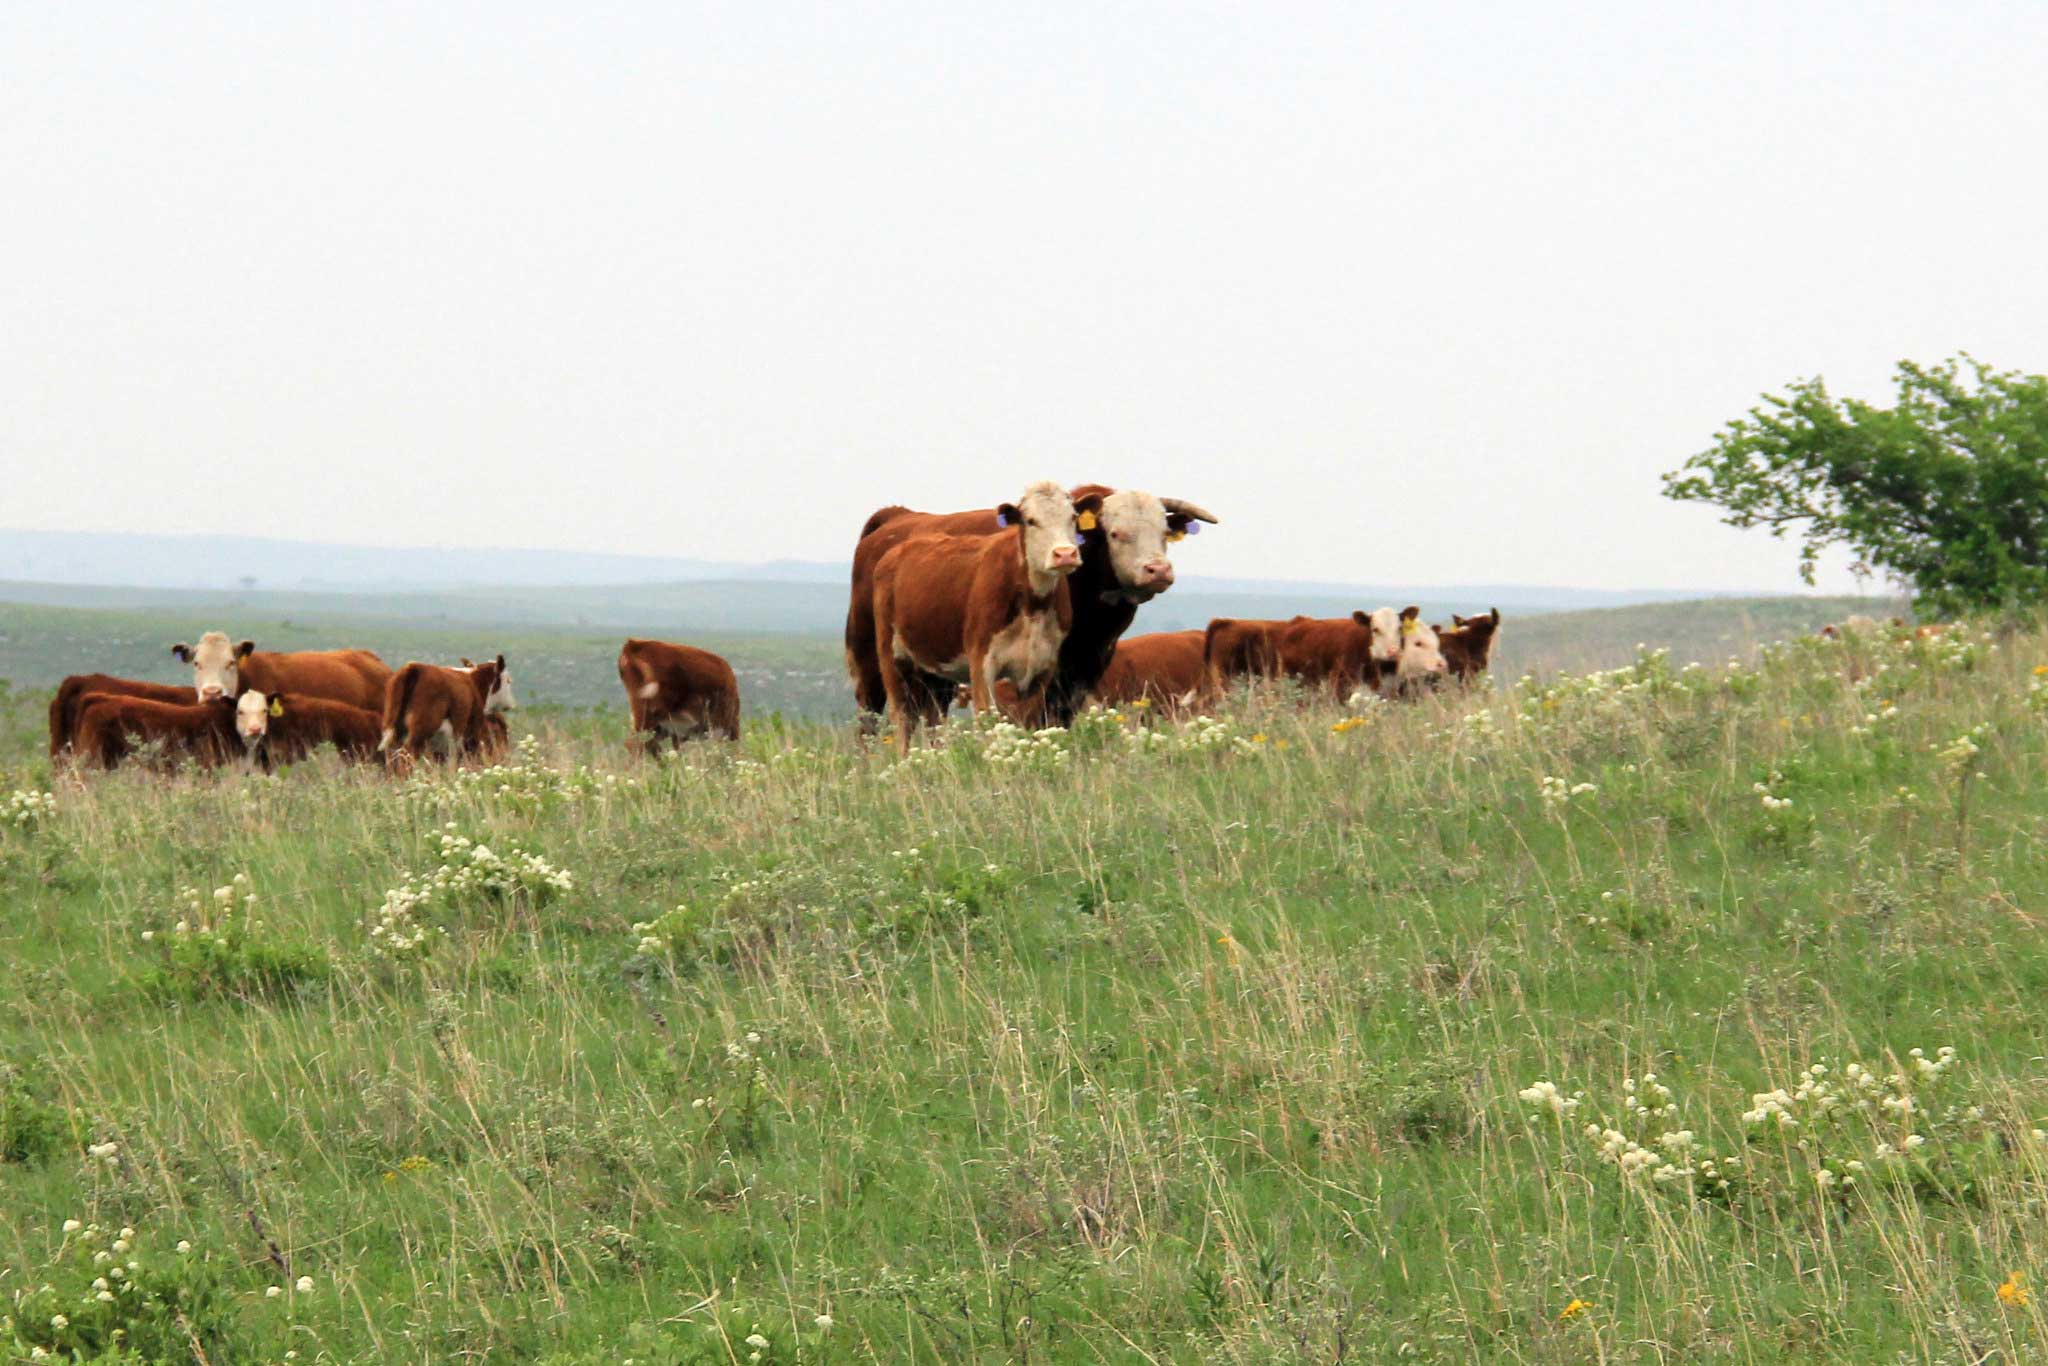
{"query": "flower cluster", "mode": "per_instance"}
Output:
(1557, 792)
(523, 781)
(469, 871)
(1771, 801)
(1962, 751)
(1646, 1141)
(24, 808)
(108, 1295)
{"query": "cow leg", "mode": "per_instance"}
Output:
(895, 689)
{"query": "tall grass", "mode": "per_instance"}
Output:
(1207, 1045)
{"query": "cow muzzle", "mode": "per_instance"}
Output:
(1156, 575)
(1065, 558)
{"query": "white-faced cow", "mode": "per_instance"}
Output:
(977, 608)
(219, 669)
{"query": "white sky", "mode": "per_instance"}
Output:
(1429, 296)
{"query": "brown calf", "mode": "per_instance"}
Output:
(1166, 669)
(1467, 644)
(74, 691)
(679, 692)
(357, 677)
(280, 728)
(428, 704)
(111, 728)
(975, 609)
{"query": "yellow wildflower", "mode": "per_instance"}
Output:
(1573, 1310)
(1259, 739)
(2040, 669)
(1231, 947)
(2013, 1293)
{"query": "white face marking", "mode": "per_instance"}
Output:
(252, 717)
(1134, 525)
(1386, 635)
(1050, 531)
(500, 698)
(1421, 652)
(650, 690)
(215, 670)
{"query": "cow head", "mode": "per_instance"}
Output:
(1049, 525)
(1385, 627)
(1133, 531)
(494, 681)
(253, 714)
(216, 665)
(1421, 657)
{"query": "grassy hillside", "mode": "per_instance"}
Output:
(1576, 1023)
(794, 674)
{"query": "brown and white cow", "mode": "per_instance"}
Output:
(431, 704)
(977, 608)
(1124, 562)
(1467, 644)
(1374, 651)
(357, 677)
(1166, 669)
(1419, 659)
(280, 728)
(679, 692)
(74, 692)
(112, 728)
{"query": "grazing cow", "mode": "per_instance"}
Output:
(1334, 654)
(1865, 627)
(679, 692)
(75, 691)
(110, 728)
(977, 608)
(1166, 669)
(429, 704)
(280, 728)
(357, 677)
(1124, 562)
(1467, 644)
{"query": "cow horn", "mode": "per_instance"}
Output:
(1187, 509)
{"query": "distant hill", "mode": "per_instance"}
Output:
(576, 586)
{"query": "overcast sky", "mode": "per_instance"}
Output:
(1429, 296)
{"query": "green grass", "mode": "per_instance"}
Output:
(1202, 1048)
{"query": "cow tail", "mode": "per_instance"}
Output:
(397, 698)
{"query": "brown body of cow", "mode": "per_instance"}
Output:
(1167, 669)
(976, 609)
(1120, 568)
(430, 704)
(1237, 648)
(357, 677)
(1467, 644)
(112, 728)
(74, 691)
(679, 692)
(278, 728)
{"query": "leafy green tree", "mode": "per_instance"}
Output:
(1946, 491)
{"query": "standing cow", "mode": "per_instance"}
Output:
(977, 608)
(678, 692)
(449, 709)
(357, 677)
(76, 691)
(1467, 644)
(1124, 562)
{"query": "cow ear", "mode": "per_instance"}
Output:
(1087, 510)
(1459, 622)
(182, 652)
(1363, 618)
(1184, 518)
(467, 662)
(1006, 514)
(245, 649)
(501, 664)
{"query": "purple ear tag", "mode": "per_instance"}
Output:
(1002, 517)
(1194, 527)
(1080, 538)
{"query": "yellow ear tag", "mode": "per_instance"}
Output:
(1086, 521)
(1411, 627)
(1176, 535)
(276, 707)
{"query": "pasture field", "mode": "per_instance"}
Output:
(1603, 1018)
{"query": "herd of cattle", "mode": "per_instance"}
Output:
(1025, 604)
